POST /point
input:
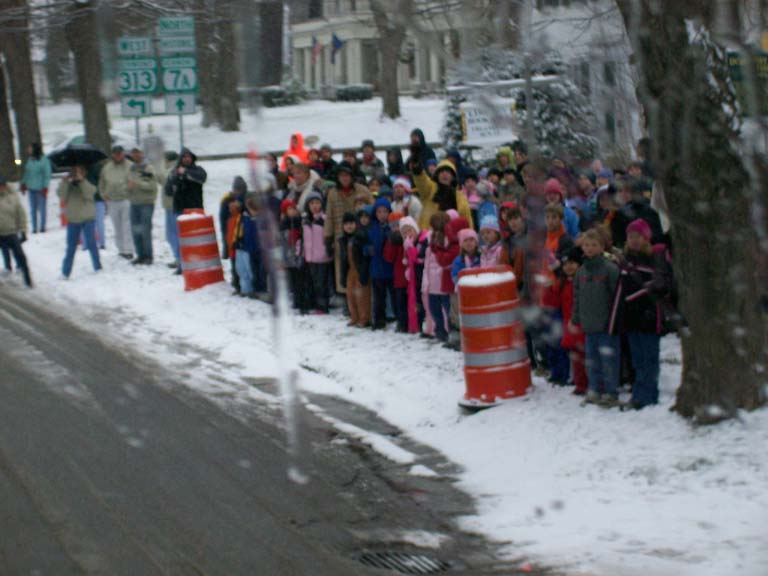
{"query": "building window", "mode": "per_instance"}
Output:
(315, 9)
(609, 73)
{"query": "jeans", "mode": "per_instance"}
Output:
(120, 210)
(559, 363)
(37, 204)
(319, 278)
(440, 308)
(172, 233)
(644, 348)
(244, 271)
(141, 228)
(260, 274)
(101, 211)
(73, 233)
(12, 243)
(381, 288)
(603, 362)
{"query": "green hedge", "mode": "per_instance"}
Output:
(354, 92)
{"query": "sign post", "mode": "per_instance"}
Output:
(136, 78)
(176, 42)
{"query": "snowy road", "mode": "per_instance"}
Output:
(107, 466)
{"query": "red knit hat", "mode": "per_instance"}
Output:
(285, 204)
(395, 217)
(641, 227)
(553, 186)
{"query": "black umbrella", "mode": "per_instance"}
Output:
(76, 154)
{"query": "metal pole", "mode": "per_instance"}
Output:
(181, 131)
(136, 126)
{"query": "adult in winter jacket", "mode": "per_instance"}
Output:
(185, 183)
(340, 200)
(35, 182)
(370, 165)
(13, 227)
(142, 191)
(171, 229)
(395, 164)
(113, 187)
(440, 194)
(77, 195)
(303, 183)
(237, 194)
(297, 149)
(421, 152)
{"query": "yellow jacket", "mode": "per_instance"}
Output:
(427, 188)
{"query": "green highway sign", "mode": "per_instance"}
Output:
(176, 45)
(134, 46)
(176, 26)
(137, 76)
(179, 74)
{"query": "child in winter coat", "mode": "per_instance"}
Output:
(410, 232)
(645, 281)
(394, 252)
(437, 284)
(469, 256)
(594, 293)
(381, 270)
(503, 217)
(493, 252)
(315, 254)
(348, 229)
(573, 338)
(290, 235)
(235, 207)
(358, 275)
(248, 251)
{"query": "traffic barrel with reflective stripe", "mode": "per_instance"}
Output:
(496, 363)
(200, 263)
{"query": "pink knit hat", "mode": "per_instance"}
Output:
(410, 222)
(452, 214)
(641, 227)
(553, 186)
(466, 233)
(404, 182)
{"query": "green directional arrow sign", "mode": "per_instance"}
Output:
(138, 104)
(180, 105)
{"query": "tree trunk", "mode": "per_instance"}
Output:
(207, 68)
(708, 191)
(271, 43)
(82, 37)
(18, 61)
(229, 115)
(390, 24)
(7, 158)
(56, 57)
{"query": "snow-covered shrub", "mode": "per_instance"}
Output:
(290, 92)
(354, 92)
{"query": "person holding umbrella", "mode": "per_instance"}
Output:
(78, 196)
(13, 227)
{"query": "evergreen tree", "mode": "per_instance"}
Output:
(562, 116)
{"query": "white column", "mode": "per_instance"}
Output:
(308, 68)
(354, 62)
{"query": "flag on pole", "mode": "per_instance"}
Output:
(336, 44)
(317, 48)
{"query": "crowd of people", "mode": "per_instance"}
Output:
(386, 242)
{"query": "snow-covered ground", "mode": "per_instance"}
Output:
(340, 124)
(590, 491)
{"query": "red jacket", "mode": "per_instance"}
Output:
(559, 295)
(445, 255)
(395, 254)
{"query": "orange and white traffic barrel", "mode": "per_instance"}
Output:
(200, 263)
(496, 363)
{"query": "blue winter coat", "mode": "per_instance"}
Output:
(571, 222)
(461, 264)
(377, 237)
(250, 241)
(485, 209)
(37, 173)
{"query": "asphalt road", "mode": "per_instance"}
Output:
(106, 467)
